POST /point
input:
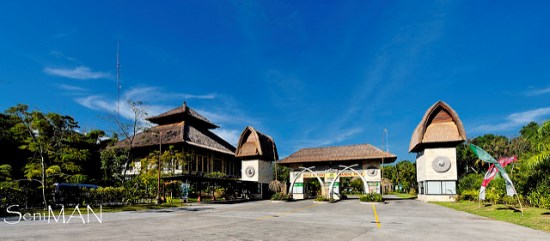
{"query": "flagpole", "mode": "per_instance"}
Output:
(520, 206)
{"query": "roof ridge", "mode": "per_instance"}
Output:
(326, 147)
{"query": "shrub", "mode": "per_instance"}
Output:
(216, 175)
(470, 182)
(321, 198)
(540, 197)
(496, 191)
(371, 197)
(471, 195)
(280, 196)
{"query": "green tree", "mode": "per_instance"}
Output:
(35, 125)
(113, 160)
(406, 175)
(129, 129)
(496, 145)
(54, 142)
(402, 173)
(9, 146)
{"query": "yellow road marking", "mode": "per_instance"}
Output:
(287, 213)
(376, 216)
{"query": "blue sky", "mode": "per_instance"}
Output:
(308, 73)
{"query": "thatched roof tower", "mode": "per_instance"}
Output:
(440, 126)
(254, 144)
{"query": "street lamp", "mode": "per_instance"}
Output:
(159, 134)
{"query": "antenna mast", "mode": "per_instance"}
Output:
(387, 140)
(118, 79)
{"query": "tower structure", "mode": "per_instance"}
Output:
(258, 154)
(434, 141)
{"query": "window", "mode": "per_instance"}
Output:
(440, 187)
(217, 165)
(199, 163)
(194, 164)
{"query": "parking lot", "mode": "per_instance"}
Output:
(265, 220)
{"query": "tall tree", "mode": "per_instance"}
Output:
(128, 129)
(35, 125)
(55, 142)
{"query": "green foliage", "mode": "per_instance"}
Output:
(112, 163)
(357, 185)
(5, 172)
(469, 182)
(280, 196)
(216, 175)
(371, 197)
(108, 195)
(321, 198)
(402, 173)
(10, 193)
(540, 197)
(33, 170)
(54, 169)
(469, 194)
(529, 174)
(281, 173)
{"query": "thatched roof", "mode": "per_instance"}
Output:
(182, 113)
(339, 153)
(440, 125)
(254, 144)
(181, 125)
(181, 133)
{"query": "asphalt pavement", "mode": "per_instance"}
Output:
(266, 220)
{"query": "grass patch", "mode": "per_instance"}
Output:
(536, 218)
(405, 195)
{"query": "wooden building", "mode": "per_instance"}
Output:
(329, 164)
(435, 140)
(189, 132)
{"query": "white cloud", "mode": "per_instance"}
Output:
(535, 92)
(151, 93)
(101, 103)
(515, 120)
(80, 72)
(231, 136)
(148, 95)
(72, 88)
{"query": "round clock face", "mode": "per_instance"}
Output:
(441, 164)
(249, 171)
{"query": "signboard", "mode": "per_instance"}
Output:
(298, 187)
(185, 191)
(346, 173)
(329, 177)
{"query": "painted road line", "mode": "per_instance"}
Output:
(287, 213)
(376, 216)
